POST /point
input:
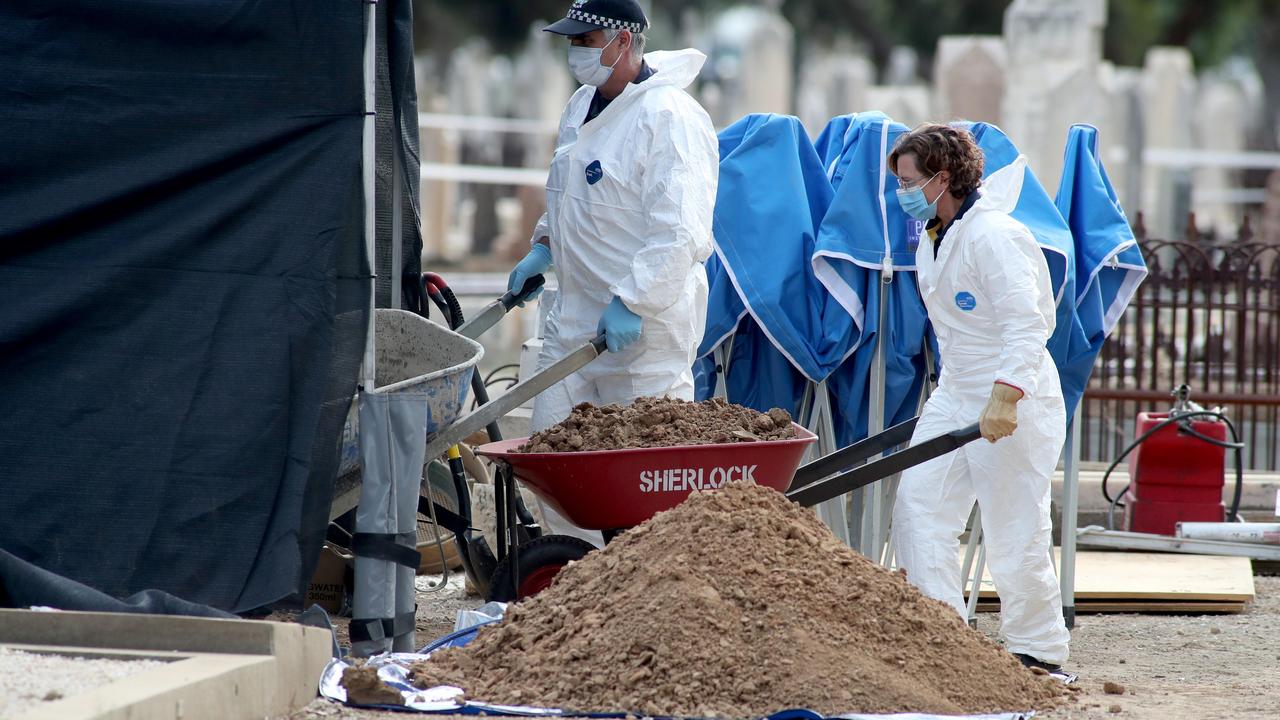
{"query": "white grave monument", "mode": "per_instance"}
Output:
(1053, 50)
(969, 78)
(1168, 101)
(750, 63)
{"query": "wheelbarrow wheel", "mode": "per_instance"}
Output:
(539, 561)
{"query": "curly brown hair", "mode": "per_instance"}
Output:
(940, 147)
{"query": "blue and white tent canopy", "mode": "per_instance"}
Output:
(773, 193)
(1109, 263)
(805, 235)
(863, 228)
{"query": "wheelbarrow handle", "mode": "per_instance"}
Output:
(819, 491)
(517, 395)
(855, 454)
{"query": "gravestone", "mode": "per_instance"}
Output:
(750, 63)
(969, 78)
(907, 104)
(903, 67)
(1053, 50)
(1120, 136)
(1168, 98)
(1271, 210)
(1220, 121)
(832, 83)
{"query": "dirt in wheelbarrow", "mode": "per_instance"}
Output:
(737, 603)
(659, 422)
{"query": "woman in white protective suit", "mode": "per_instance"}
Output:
(986, 287)
(630, 197)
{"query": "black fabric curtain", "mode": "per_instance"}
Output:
(183, 286)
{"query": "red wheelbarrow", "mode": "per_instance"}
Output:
(613, 490)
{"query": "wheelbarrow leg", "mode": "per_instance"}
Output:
(513, 535)
(500, 510)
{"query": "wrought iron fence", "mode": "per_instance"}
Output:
(1208, 315)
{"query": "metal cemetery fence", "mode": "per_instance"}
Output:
(1208, 315)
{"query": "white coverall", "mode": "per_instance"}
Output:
(990, 302)
(630, 198)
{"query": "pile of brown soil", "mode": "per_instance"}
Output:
(736, 603)
(659, 422)
(364, 687)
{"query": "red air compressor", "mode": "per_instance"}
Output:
(1176, 468)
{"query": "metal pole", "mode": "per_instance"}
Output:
(397, 221)
(834, 513)
(1070, 508)
(978, 571)
(367, 161)
(873, 497)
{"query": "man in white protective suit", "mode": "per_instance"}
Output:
(630, 197)
(986, 287)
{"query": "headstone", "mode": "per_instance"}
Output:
(438, 198)
(1053, 49)
(750, 62)
(903, 67)
(1168, 102)
(541, 64)
(907, 104)
(1220, 121)
(969, 78)
(1271, 210)
(1120, 136)
(832, 83)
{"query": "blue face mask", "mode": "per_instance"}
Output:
(915, 204)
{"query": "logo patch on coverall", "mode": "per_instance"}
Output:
(966, 301)
(594, 172)
(914, 230)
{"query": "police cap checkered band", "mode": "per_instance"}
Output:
(588, 15)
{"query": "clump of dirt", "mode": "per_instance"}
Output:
(364, 687)
(736, 603)
(659, 422)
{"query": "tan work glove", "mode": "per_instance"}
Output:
(1000, 417)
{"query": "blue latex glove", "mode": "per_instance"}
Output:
(537, 262)
(620, 326)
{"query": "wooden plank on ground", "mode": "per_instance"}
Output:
(1139, 606)
(1125, 576)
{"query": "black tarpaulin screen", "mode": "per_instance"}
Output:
(183, 287)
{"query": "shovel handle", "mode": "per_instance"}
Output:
(511, 298)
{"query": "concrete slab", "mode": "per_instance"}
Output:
(215, 668)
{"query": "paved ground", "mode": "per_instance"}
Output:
(1224, 667)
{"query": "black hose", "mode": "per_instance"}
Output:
(1185, 426)
(488, 379)
(455, 307)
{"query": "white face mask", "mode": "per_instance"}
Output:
(584, 63)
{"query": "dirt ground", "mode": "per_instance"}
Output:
(1205, 667)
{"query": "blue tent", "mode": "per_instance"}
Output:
(864, 226)
(773, 193)
(1109, 263)
(1039, 213)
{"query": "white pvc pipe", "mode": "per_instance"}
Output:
(1251, 532)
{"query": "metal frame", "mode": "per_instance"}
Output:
(368, 175)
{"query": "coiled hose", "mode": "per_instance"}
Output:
(1183, 419)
